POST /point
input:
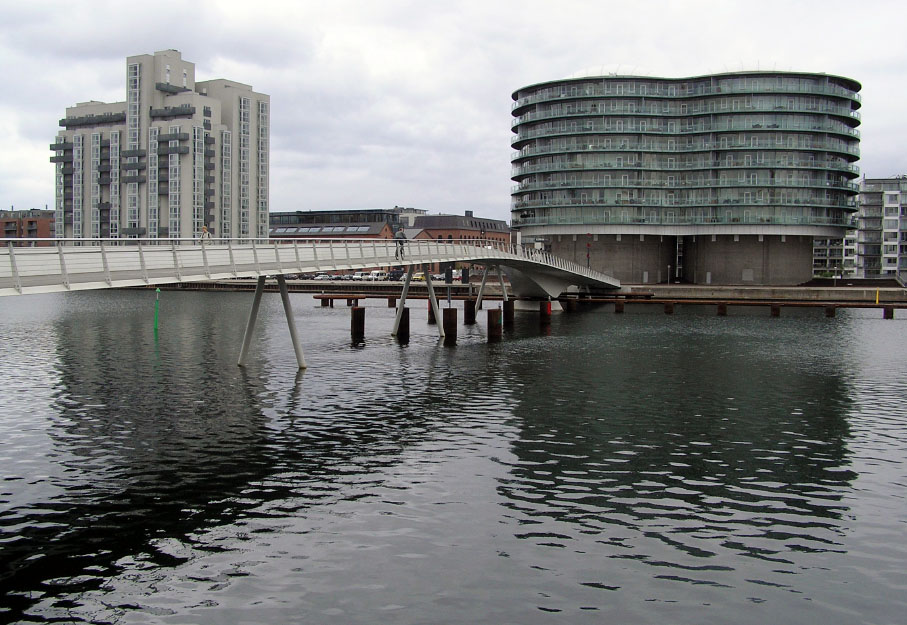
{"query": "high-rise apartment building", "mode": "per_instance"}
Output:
(177, 155)
(881, 241)
(716, 179)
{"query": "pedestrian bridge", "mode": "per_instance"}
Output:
(84, 264)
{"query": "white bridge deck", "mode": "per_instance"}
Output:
(71, 265)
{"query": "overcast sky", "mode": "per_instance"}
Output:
(382, 103)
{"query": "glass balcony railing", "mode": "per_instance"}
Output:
(683, 165)
(684, 91)
(714, 204)
(527, 187)
(668, 218)
(852, 148)
(775, 113)
(684, 130)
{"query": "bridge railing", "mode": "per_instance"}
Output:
(65, 264)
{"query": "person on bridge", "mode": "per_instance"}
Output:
(400, 238)
(205, 236)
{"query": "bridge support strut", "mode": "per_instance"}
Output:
(253, 317)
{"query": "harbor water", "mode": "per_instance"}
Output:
(634, 468)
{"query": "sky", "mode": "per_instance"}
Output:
(383, 103)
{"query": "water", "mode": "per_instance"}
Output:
(635, 468)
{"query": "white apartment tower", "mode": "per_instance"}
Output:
(177, 155)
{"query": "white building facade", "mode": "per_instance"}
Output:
(176, 156)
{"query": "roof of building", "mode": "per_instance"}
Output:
(348, 230)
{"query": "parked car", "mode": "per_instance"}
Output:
(377, 275)
(322, 276)
(361, 275)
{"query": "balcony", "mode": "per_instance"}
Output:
(94, 120)
(104, 179)
(209, 140)
(166, 87)
(173, 136)
(169, 112)
(131, 153)
(134, 166)
(209, 166)
(104, 168)
(210, 153)
(61, 145)
(65, 158)
(139, 178)
(176, 149)
(133, 231)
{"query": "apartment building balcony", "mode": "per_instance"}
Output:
(63, 158)
(94, 120)
(62, 145)
(169, 112)
(131, 153)
(173, 136)
(139, 178)
(166, 87)
(175, 149)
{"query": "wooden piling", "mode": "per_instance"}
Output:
(776, 310)
(507, 313)
(325, 303)
(569, 305)
(495, 325)
(357, 323)
(391, 302)
(618, 307)
(469, 312)
(669, 308)
(722, 309)
(830, 311)
(450, 326)
(888, 312)
(431, 314)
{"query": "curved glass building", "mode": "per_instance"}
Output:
(720, 179)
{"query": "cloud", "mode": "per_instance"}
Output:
(402, 102)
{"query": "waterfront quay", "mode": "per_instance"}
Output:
(886, 295)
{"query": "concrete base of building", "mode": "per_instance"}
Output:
(634, 258)
(720, 259)
(747, 259)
